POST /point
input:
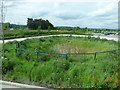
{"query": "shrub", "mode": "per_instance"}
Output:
(62, 63)
(43, 57)
(7, 65)
(42, 40)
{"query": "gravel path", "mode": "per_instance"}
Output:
(102, 36)
(8, 84)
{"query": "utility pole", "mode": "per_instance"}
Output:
(2, 16)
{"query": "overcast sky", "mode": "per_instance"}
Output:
(82, 13)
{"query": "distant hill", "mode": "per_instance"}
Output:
(25, 26)
(17, 26)
(64, 26)
(82, 27)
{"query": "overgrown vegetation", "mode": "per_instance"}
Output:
(10, 34)
(77, 71)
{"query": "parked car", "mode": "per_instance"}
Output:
(108, 33)
(118, 33)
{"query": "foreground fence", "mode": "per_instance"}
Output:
(53, 54)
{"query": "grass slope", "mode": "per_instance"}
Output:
(30, 33)
(77, 71)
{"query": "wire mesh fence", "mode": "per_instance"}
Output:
(44, 56)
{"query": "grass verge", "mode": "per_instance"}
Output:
(77, 71)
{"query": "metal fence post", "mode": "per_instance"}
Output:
(66, 57)
(95, 57)
(37, 55)
(21, 43)
(15, 49)
(18, 45)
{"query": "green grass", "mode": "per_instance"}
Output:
(77, 71)
(30, 33)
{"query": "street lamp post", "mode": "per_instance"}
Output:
(2, 25)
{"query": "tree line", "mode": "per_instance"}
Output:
(38, 23)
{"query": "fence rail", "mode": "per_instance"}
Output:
(95, 54)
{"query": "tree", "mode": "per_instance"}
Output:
(6, 26)
(77, 28)
(74, 29)
(33, 24)
(49, 28)
(30, 23)
(86, 28)
(39, 28)
(21, 27)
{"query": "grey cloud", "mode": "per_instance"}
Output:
(12, 3)
(39, 14)
(115, 22)
(62, 13)
(69, 15)
(108, 11)
(106, 17)
(111, 15)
